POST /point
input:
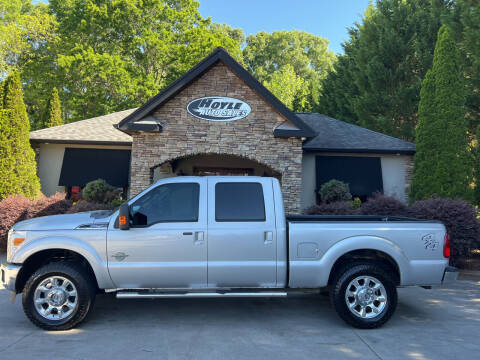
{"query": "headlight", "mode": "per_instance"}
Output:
(15, 240)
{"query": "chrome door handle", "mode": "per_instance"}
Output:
(198, 238)
(267, 237)
(119, 256)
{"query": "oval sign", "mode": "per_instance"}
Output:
(218, 108)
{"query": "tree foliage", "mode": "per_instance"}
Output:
(469, 35)
(18, 171)
(272, 56)
(443, 166)
(53, 112)
(24, 27)
(385, 61)
(288, 87)
(112, 55)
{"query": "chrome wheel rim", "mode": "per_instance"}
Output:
(55, 298)
(366, 297)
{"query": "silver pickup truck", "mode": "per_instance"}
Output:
(219, 237)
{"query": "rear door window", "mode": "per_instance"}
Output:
(239, 201)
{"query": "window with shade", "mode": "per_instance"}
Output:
(362, 174)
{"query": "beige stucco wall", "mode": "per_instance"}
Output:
(49, 164)
(395, 174)
(249, 138)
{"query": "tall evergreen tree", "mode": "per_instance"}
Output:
(53, 113)
(476, 157)
(1, 94)
(8, 179)
(17, 128)
(443, 163)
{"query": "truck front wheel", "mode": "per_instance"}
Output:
(58, 296)
(364, 295)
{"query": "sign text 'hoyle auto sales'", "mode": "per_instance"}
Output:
(218, 108)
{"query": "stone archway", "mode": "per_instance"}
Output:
(203, 164)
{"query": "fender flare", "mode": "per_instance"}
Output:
(367, 242)
(98, 266)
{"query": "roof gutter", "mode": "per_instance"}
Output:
(80, 142)
(361, 151)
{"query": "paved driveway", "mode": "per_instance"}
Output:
(442, 323)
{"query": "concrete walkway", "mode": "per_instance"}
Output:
(442, 323)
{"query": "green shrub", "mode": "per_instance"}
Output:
(98, 191)
(116, 203)
(335, 190)
(357, 203)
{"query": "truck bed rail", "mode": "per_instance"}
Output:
(358, 218)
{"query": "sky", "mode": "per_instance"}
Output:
(326, 18)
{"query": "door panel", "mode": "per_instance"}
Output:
(241, 253)
(163, 255)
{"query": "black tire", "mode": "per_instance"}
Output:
(86, 292)
(339, 287)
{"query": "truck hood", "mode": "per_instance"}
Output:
(98, 218)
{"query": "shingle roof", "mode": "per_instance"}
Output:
(338, 136)
(98, 130)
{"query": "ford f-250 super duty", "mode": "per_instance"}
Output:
(219, 237)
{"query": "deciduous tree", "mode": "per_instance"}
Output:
(308, 55)
(288, 87)
(113, 55)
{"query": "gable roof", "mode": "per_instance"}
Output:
(338, 136)
(99, 130)
(219, 54)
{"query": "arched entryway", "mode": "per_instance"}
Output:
(211, 164)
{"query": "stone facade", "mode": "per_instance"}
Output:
(251, 137)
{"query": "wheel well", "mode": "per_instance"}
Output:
(44, 257)
(367, 255)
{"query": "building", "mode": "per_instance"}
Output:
(217, 119)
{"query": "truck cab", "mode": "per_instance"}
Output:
(210, 232)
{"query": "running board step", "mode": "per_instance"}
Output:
(151, 295)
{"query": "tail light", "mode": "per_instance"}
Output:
(446, 246)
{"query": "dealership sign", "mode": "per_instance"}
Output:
(218, 108)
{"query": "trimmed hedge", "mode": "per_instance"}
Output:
(12, 209)
(458, 216)
(380, 204)
(334, 208)
(83, 206)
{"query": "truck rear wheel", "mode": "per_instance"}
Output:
(58, 296)
(364, 295)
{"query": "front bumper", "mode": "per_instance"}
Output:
(450, 275)
(8, 273)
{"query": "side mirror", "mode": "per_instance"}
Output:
(124, 217)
